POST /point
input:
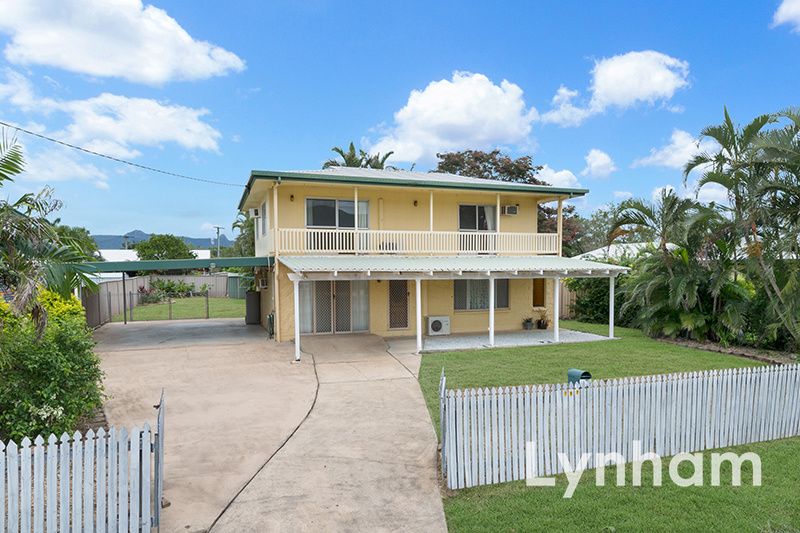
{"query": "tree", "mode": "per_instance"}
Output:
(32, 254)
(666, 219)
(353, 158)
(498, 166)
(758, 170)
(595, 230)
(244, 244)
(80, 237)
(163, 246)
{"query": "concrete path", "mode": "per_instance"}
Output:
(232, 396)
(364, 460)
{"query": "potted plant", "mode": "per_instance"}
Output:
(527, 323)
(542, 323)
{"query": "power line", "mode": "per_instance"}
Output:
(123, 161)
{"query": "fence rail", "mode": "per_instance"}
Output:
(485, 431)
(101, 481)
(334, 241)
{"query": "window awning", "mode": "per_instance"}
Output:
(444, 267)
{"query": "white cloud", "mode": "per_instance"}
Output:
(788, 13)
(114, 124)
(680, 149)
(622, 195)
(467, 112)
(558, 178)
(622, 81)
(598, 164)
(711, 192)
(60, 164)
(564, 112)
(123, 39)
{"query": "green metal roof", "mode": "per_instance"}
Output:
(541, 265)
(176, 264)
(405, 178)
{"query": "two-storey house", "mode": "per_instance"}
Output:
(400, 253)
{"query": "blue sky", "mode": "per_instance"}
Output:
(215, 89)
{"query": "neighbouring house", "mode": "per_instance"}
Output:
(622, 251)
(131, 255)
(400, 253)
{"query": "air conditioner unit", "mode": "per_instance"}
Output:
(255, 212)
(509, 210)
(438, 325)
(263, 283)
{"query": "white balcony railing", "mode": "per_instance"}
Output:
(307, 241)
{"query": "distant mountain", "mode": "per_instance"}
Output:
(117, 242)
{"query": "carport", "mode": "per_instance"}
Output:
(126, 268)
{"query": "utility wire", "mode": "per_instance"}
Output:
(118, 160)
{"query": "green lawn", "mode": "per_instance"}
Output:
(775, 506)
(183, 308)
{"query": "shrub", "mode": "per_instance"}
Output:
(58, 307)
(172, 288)
(49, 384)
(591, 301)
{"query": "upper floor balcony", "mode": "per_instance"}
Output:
(328, 241)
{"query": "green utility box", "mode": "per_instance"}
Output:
(576, 375)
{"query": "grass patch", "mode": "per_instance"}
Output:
(184, 308)
(633, 354)
(775, 506)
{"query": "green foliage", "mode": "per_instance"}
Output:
(59, 307)
(353, 158)
(174, 288)
(163, 246)
(48, 384)
(591, 301)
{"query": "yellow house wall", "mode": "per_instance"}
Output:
(437, 299)
(392, 208)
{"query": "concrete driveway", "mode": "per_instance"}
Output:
(232, 396)
(364, 459)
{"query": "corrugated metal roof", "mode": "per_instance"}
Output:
(405, 263)
(406, 178)
(175, 264)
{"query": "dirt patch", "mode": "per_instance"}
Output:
(765, 356)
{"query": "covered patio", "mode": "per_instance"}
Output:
(419, 268)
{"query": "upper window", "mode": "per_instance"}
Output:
(263, 214)
(477, 217)
(473, 294)
(327, 213)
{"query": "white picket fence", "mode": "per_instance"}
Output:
(485, 431)
(108, 481)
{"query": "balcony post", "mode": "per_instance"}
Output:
(355, 221)
(275, 226)
(560, 222)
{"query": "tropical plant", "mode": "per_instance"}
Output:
(32, 254)
(758, 169)
(356, 158)
(163, 246)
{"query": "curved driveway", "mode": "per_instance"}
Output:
(232, 397)
(364, 459)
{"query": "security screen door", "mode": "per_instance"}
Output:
(334, 306)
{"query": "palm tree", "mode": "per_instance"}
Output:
(754, 166)
(350, 158)
(666, 218)
(31, 253)
(361, 159)
(375, 160)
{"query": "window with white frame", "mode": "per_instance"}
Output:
(473, 294)
(329, 213)
(263, 215)
(477, 217)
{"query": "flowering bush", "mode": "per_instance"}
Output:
(48, 384)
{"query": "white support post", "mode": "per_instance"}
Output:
(355, 222)
(556, 307)
(418, 300)
(296, 286)
(491, 311)
(497, 215)
(430, 212)
(560, 225)
(275, 231)
(611, 307)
